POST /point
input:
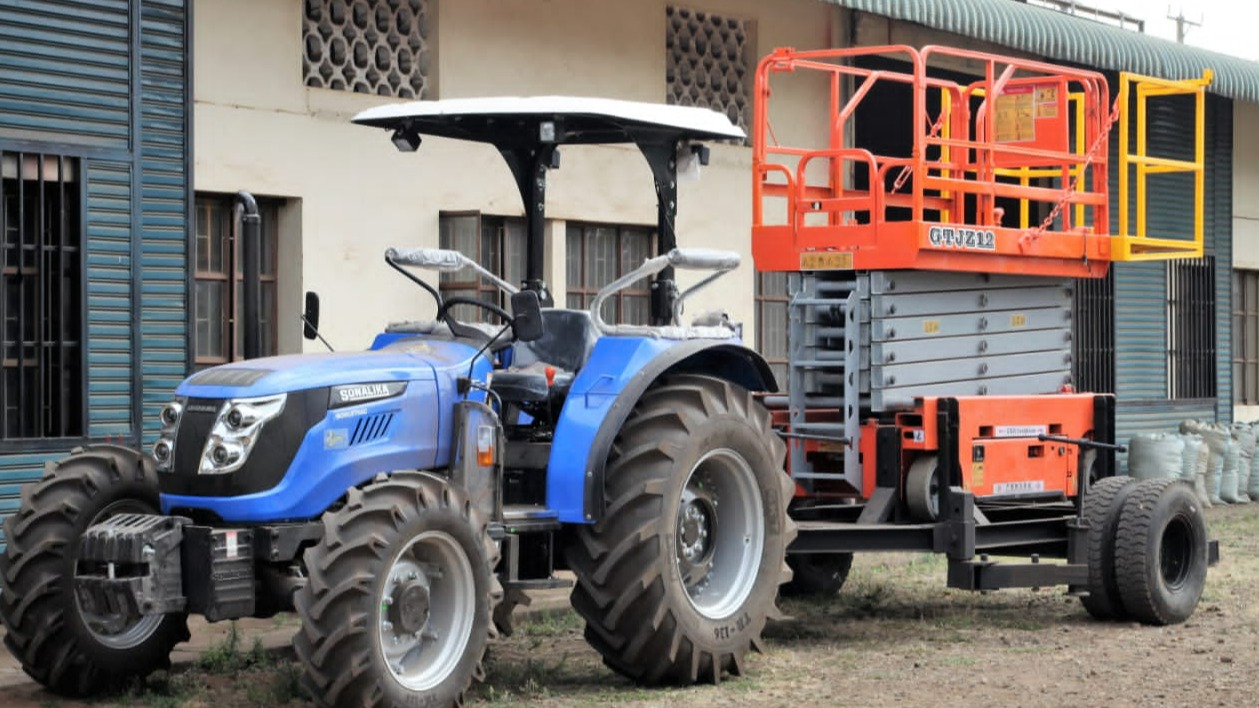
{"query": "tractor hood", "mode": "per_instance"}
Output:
(409, 360)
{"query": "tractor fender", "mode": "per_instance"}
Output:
(617, 374)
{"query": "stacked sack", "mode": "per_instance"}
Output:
(1155, 456)
(1195, 459)
(1218, 441)
(1245, 437)
(1252, 486)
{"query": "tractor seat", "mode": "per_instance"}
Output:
(568, 338)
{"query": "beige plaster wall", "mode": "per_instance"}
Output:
(259, 128)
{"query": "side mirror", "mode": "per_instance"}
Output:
(311, 316)
(526, 322)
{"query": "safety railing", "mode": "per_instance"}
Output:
(1006, 173)
(1138, 245)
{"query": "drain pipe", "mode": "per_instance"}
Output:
(251, 256)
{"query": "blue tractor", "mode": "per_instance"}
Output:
(403, 499)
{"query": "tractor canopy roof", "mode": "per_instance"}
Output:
(511, 120)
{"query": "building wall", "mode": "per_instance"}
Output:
(1246, 204)
(106, 86)
(259, 128)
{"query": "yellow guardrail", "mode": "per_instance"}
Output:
(1138, 245)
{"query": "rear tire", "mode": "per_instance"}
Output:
(401, 547)
(61, 646)
(1161, 552)
(1102, 505)
(816, 574)
(678, 578)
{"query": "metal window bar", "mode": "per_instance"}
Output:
(41, 376)
(772, 305)
(1095, 334)
(1246, 337)
(1191, 328)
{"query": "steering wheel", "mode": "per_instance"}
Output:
(443, 314)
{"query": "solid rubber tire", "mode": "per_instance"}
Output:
(338, 643)
(918, 496)
(637, 611)
(44, 628)
(1155, 511)
(816, 574)
(1102, 506)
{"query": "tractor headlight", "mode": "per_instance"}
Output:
(235, 431)
(164, 448)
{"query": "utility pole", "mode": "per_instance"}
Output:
(1181, 21)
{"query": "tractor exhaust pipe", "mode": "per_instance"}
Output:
(251, 255)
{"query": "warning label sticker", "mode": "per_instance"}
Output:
(1016, 115)
(1028, 487)
(1019, 431)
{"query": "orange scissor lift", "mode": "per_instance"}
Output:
(929, 402)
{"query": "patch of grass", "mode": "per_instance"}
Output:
(552, 624)
(224, 657)
(278, 686)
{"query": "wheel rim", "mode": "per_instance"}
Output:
(427, 606)
(720, 533)
(1176, 552)
(118, 630)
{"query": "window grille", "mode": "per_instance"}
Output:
(709, 62)
(1246, 337)
(600, 253)
(380, 47)
(772, 299)
(497, 244)
(1095, 334)
(41, 297)
(1191, 328)
(220, 278)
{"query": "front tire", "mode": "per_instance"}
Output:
(678, 578)
(60, 645)
(398, 607)
(1161, 552)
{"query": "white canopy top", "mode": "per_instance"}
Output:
(427, 115)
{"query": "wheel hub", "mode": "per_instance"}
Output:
(718, 546)
(696, 533)
(409, 610)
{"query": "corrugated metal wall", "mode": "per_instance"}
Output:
(109, 361)
(163, 327)
(1141, 289)
(65, 70)
(107, 82)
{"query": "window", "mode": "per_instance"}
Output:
(709, 62)
(42, 337)
(600, 253)
(1191, 328)
(1246, 337)
(220, 294)
(1094, 334)
(494, 242)
(772, 297)
(380, 47)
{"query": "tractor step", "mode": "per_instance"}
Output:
(526, 518)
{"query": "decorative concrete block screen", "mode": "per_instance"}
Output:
(368, 46)
(709, 62)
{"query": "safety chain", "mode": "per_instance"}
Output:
(906, 170)
(1075, 181)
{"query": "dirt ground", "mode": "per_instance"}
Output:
(894, 636)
